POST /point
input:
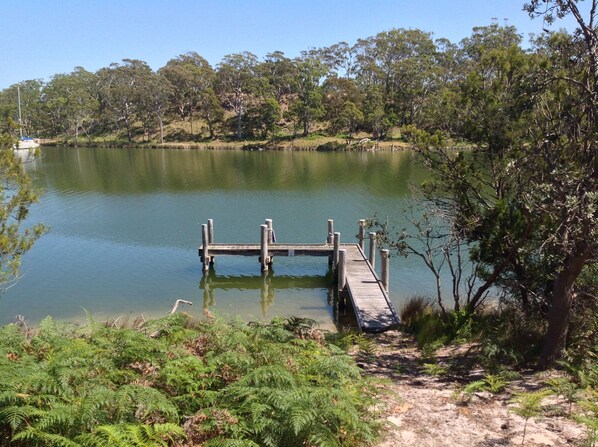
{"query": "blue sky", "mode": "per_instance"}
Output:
(40, 38)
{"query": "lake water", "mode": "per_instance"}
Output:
(124, 227)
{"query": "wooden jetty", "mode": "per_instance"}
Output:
(354, 271)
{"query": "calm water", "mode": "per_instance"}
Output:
(125, 226)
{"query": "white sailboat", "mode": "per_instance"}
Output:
(25, 143)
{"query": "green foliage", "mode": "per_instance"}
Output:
(434, 369)
(17, 194)
(528, 405)
(215, 382)
(493, 383)
(588, 415)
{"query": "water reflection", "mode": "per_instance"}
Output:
(119, 171)
(125, 225)
(269, 284)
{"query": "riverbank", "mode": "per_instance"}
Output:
(329, 144)
(432, 406)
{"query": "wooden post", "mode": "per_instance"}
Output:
(264, 248)
(330, 238)
(372, 256)
(270, 230)
(342, 269)
(205, 256)
(361, 233)
(385, 258)
(337, 242)
(211, 231)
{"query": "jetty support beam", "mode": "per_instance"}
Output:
(264, 258)
(372, 255)
(337, 243)
(385, 257)
(342, 269)
(205, 255)
(330, 238)
(361, 234)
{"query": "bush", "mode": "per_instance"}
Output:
(176, 380)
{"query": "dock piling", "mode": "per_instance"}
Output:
(211, 231)
(264, 258)
(385, 258)
(337, 243)
(330, 238)
(205, 256)
(361, 234)
(372, 256)
(342, 269)
(268, 223)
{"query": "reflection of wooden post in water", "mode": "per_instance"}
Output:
(208, 292)
(266, 294)
(385, 256)
(361, 234)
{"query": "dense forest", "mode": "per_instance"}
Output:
(400, 77)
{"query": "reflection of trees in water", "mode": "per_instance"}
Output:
(126, 171)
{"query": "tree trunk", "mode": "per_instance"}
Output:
(161, 129)
(560, 309)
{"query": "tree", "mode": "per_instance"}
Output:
(526, 198)
(236, 73)
(308, 106)
(122, 92)
(192, 79)
(31, 106)
(564, 158)
(72, 101)
(281, 74)
(153, 103)
(342, 101)
(401, 62)
(16, 196)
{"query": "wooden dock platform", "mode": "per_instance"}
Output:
(373, 309)
(354, 270)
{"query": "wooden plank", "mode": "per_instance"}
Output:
(372, 307)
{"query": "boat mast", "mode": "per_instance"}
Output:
(20, 120)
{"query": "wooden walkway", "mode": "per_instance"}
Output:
(373, 309)
(355, 275)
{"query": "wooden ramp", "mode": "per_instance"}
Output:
(373, 309)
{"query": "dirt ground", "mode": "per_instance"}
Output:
(423, 410)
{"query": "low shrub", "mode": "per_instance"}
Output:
(178, 381)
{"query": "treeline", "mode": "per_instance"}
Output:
(396, 78)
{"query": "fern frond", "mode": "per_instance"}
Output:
(60, 416)
(15, 416)
(46, 439)
(143, 402)
(219, 442)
